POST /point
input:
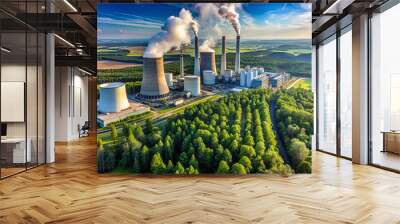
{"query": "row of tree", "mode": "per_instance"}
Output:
(294, 112)
(231, 135)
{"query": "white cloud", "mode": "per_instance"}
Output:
(129, 21)
(292, 25)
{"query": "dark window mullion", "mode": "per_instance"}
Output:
(0, 91)
(338, 77)
(26, 86)
(37, 91)
(369, 90)
(317, 97)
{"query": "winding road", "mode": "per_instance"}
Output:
(281, 146)
(160, 116)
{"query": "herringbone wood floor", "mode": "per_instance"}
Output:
(70, 191)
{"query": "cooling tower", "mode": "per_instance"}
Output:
(237, 58)
(207, 62)
(113, 97)
(192, 84)
(196, 70)
(154, 85)
(223, 57)
(169, 79)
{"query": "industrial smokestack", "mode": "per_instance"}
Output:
(223, 57)
(196, 57)
(237, 59)
(154, 85)
(207, 61)
(182, 65)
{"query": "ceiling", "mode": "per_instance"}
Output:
(332, 15)
(75, 21)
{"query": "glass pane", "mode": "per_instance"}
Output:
(327, 96)
(346, 94)
(385, 83)
(31, 98)
(41, 98)
(13, 87)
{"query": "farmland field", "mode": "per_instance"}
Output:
(304, 83)
(274, 56)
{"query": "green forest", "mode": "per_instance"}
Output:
(231, 135)
(294, 113)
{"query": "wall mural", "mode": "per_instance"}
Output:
(204, 88)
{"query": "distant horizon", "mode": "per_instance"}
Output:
(227, 39)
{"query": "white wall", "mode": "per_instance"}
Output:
(71, 102)
(14, 73)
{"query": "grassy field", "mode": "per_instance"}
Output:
(294, 52)
(304, 83)
(138, 51)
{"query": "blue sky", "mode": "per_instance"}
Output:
(259, 21)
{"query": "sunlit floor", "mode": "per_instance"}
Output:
(10, 170)
(71, 191)
(386, 159)
(5, 172)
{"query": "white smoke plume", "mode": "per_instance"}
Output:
(207, 46)
(228, 12)
(175, 33)
(210, 22)
(211, 19)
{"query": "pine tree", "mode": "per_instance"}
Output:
(193, 162)
(114, 132)
(137, 168)
(157, 164)
(170, 167)
(179, 168)
(223, 167)
(191, 170)
(145, 158)
(245, 161)
(238, 168)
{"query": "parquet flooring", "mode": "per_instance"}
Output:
(70, 191)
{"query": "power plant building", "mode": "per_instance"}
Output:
(192, 85)
(209, 77)
(114, 105)
(246, 77)
(261, 82)
(278, 80)
(243, 78)
(255, 77)
(228, 75)
(154, 85)
(113, 97)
